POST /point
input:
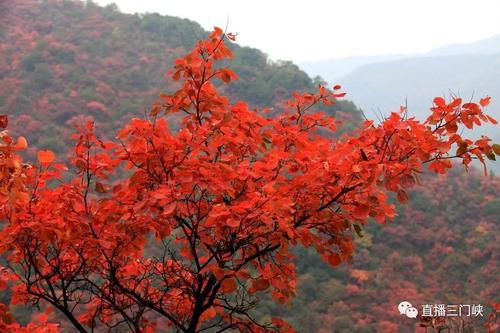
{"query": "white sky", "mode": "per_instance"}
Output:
(320, 29)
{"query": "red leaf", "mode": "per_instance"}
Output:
(170, 208)
(260, 284)
(485, 101)
(99, 187)
(233, 222)
(492, 120)
(334, 259)
(228, 286)
(402, 197)
(439, 101)
(4, 121)
(361, 212)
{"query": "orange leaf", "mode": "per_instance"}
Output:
(360, 275)
(484, 101)
(21, 143)
(45, 157)
(496, 148)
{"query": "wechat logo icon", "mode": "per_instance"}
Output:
(407, 309)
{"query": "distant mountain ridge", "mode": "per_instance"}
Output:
(385, 86)
(333, 70)
(489, 45)
(470, 71)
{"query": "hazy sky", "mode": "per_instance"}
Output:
(320, 29)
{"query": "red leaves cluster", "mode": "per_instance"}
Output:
(225, 197)
(446, 117)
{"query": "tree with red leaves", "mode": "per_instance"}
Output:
(181, 231)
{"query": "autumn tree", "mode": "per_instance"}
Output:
(164, 230)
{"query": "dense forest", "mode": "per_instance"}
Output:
(441, 248)
(64, 61)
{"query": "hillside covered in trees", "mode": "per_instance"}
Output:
(442, 248)
(63, 61)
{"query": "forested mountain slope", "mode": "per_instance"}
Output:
(63, 60)
(442, 248)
